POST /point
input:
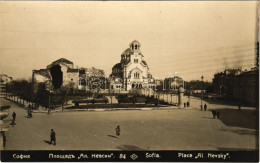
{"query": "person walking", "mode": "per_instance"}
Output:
(218, 113)
(188, 104)
(184, 104)
(214, 113)
(29, 113)
(53, 137)
(118, 130)
(14, 116)
(205, 107)
(4, 139)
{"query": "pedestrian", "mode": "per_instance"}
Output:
(29, 113)
(214, 113)
(205, 107)
(188, 104)
(14, 116)
(201, 107)
(184, 104)
(118, 130)
(218, 113)
(4, 139)
(239, 107)
(53, 137)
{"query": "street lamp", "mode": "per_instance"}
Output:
(49, 98)
(201, 93)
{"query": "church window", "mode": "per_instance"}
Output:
(135, 46)
(136, 75)
(136, 60)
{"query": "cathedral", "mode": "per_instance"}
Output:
(132, 72)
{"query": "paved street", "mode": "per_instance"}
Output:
(167, 129)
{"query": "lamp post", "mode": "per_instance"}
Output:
(49, 98)
(201, 93)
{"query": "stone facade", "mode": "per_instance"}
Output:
(242, 86)
(132, 72)
(69, 74)
(4, 79)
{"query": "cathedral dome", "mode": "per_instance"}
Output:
(135, 42)
(118, 65)
(126, 52)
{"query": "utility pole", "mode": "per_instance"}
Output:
(201, 93)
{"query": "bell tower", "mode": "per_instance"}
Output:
(135, 46)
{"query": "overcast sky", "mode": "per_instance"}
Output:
(191, 38)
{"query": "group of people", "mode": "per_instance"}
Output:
(186, 104)
(215, 113)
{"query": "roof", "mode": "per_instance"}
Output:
(43, 72)
(251, 72)
(72, 70)
(128, 51)
(144, 62)
(135, 42)
(118, 65)
(3, 75)
(126, 62)
(63, 60)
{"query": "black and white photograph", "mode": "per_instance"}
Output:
(129, 81)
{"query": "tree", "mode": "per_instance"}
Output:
(22, 88)
(63, 92)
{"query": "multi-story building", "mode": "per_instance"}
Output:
(4, 79)
(242, 86)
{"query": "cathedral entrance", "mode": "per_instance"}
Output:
(137, 86)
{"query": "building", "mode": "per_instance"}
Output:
(4, 79)
(238, 85)
(132, 72)
(221, 81)
(62, 72)
(245, 87)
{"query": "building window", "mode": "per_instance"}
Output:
(135, 46)
(136, 60)
(136, 75)
(71, 79)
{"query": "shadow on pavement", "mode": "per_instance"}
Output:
(234, 149)
(243, 132)
(112, 136)
(239, 118)
(46, 141)
(129, 147)
(12, 123)
(207, 118)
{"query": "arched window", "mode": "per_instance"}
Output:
(136, 75)
(135, 46)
